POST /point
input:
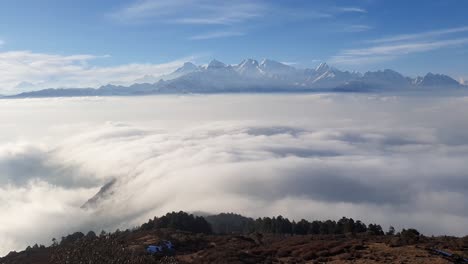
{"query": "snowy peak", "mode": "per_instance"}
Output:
(147, 79)
(385, 75)
(274, 67)
(215, 64)
(386, 79)
(187, 68)
(266, 63)
(436, 80)
(323, 67)
(248, 63)
(249, 67)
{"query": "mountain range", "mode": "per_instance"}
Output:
(266, 76)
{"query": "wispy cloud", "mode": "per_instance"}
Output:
(352, 10)
(139, 11)
(400, 45)
(26, 70)
(405, 48)
(427, 34)
(217, 34)
(190, 11)
(388, 52)
(357, 28)
(220, 16)
(226, 18)
(290, 63)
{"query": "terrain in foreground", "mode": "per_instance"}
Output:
(255, 247)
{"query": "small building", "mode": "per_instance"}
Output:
(153, 249)
(163, 247)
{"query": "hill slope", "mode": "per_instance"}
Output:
(255, 247)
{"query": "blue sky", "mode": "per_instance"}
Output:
(89, 43)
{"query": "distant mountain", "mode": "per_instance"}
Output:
(386, 78)
(436, 80)
(252, 76)
(275, 68)
(105, 192)
(188, 67)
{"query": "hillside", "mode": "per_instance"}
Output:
(204, 246)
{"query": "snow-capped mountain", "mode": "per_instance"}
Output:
(250, 68)
(266, 76)
(325, 76)
(273, 68)
(436, 80)
(217, 65)
(386, 79)
(188, 67)
(147, 79)
(322, 68)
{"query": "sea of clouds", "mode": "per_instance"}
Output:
(394, 160)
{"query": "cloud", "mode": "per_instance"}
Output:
(219, 14)
(26, 70)
(391, 51)
(423, 35)
(405, 48)
(219, 17)
(219, 34)
(190, 11)
(462, 80)
(352, 10)
(393, 47)
(292, 63)
(357, 28)
(391, 160)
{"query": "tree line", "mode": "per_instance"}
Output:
(227, 223)
(230, 223)
(181, 221)
(233, 223)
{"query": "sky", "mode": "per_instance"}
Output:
(65, 43)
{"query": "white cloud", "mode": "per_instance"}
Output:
(423, 35)
(405, 48)
(190, 11)
(352, 9)
(462, 80)
(390, 51)
(221, 14)
(389, 160)
(26, 70)
(357, 28)
(148, 8)
(291, 63)
(218, 34)
(393, 47)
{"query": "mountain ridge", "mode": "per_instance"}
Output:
(253, 76)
